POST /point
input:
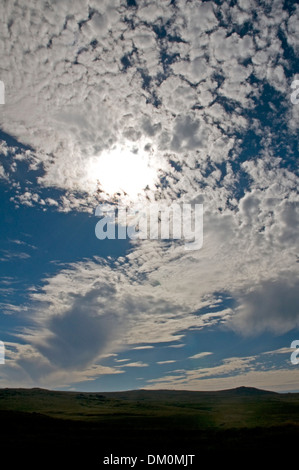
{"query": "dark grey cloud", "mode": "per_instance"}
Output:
(76, 338)
(271, 306)
(188, 134)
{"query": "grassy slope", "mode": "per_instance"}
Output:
(127, 423)
(243, 407)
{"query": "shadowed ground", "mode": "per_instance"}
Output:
(41, 426)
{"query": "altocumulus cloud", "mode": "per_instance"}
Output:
(203, 88)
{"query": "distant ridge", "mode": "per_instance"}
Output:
(238, 391)
(249, 391)
(242, 390)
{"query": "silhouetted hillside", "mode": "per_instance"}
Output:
(85, 427)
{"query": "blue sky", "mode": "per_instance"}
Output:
(149, 102)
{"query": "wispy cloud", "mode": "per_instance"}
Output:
(166, 362)
(200, 355)
(234, 372)
(8, 255)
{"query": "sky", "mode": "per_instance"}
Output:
(138, 103)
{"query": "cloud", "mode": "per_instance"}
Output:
(25, 365)
(273, 305)
(80, 335)
(200, 355)
(234, 372)
(281, 380)
(96, 78)
(155, 293)
(291, 31)
(135, 364)
(166, 362)
(186, 83)
(91, 310)
(11, 255)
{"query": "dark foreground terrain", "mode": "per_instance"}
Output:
(235, 427)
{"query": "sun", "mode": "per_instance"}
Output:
(123, 170)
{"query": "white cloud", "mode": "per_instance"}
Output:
(135, 364)
(81, 78)
(281, 380)
(292, 31)
(232, 372)
(200, 355)
(166, 362)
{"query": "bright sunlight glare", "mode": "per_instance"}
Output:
(122, 170)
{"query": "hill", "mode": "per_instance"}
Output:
(238, 407)
(88, 426)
